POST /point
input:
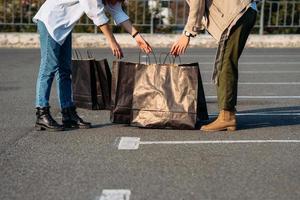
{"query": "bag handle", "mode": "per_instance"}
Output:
(77, 54)
(147, 57)
(168, 55)
(174, 59)
(90, 54)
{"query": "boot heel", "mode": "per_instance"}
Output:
(39, 128)
(231, 128)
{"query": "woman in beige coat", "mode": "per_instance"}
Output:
(230, 23)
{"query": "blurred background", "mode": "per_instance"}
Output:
(156, 16)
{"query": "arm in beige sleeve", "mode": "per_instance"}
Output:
(197, 9)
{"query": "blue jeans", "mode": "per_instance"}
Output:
(55, 62)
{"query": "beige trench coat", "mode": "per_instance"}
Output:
(213, 15)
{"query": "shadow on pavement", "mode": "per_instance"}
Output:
(269, 117)
(105, 125)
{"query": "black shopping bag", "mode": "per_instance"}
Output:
(122, 91)
(91, 80)
(103, 74)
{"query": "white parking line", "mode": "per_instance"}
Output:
(245, 56)
(133, 143)
(262, 72)
(262, 83)
(221, 142)
(244, 63)
(115, 195)
(258, 63)
(129, 143)
(264, 114)
(260, 97)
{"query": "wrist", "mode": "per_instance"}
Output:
(112, 40)
(188, 34)
(137, 37)
(135, 34)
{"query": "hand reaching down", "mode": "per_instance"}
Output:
(143, 44)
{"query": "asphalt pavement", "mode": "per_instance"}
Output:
(259, 161)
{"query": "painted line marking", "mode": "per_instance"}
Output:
(248, 63)
(261, 83)
(115, 195)
(262, 72)
(128, 143)
(244, 56)
(260, 97)
(221, 142)
(258, 63)
(136, 145)
(263, 114)
(251, 63)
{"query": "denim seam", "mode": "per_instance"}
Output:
(62, 94)
(46, 63)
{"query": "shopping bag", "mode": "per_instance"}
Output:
(122, 91)
(168, 96)
(91, 80)
(103, 77)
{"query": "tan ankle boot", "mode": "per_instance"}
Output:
(225, 121)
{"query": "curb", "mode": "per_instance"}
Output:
(85, 40)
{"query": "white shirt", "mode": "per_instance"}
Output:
(60, 16)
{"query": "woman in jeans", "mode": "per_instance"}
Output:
(55, 21)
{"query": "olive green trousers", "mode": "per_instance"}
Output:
(230, 50)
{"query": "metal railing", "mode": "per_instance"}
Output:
(164, 16)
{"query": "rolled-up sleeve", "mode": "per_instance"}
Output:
(117, 13)
(197, 8)
(95, 10)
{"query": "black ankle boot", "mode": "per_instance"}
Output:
(70, 119)
(44, 120)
